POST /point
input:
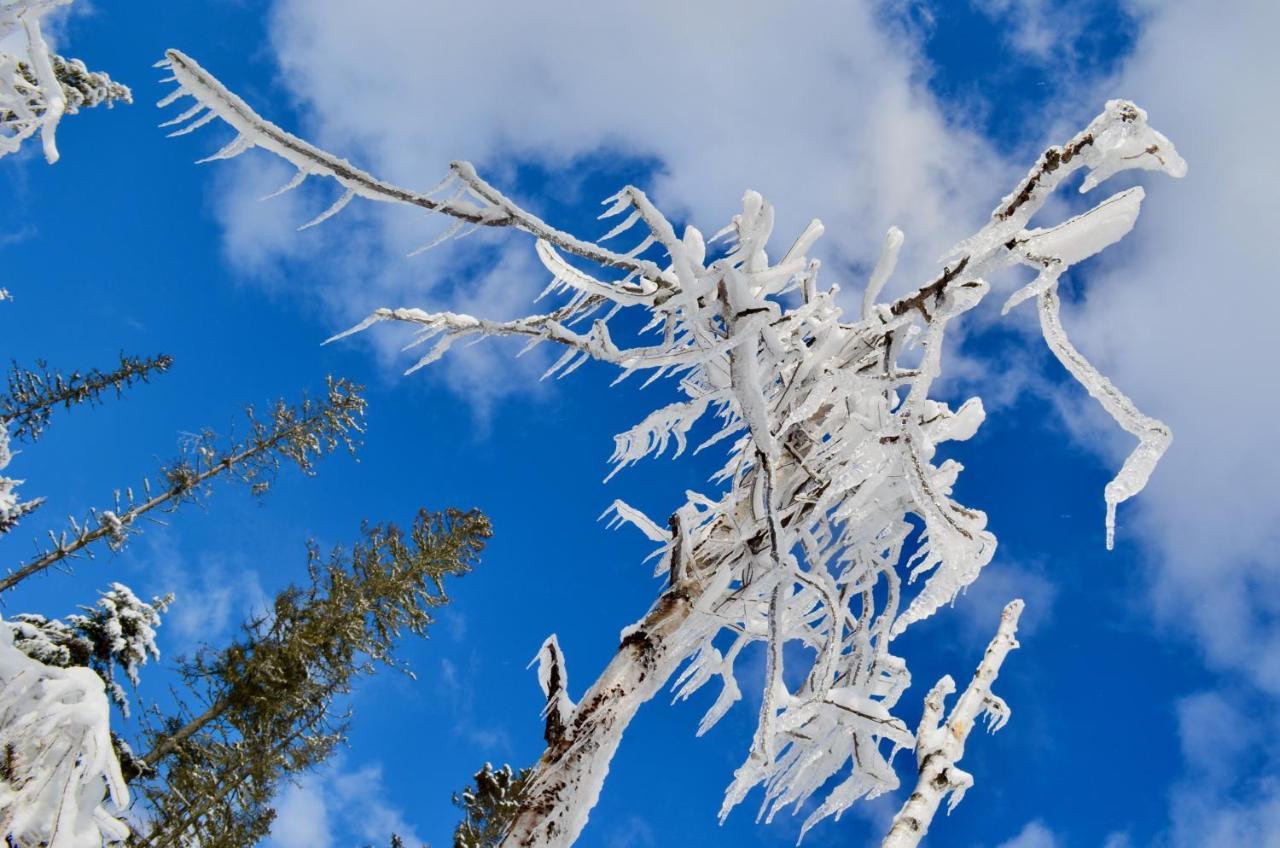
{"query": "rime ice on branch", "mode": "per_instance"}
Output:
(807, 535)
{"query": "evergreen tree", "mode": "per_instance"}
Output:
(296, 433)
(33, 394)
(38, 86)
(489, 806)
(271, 698)
(53, 672)
(119, 631)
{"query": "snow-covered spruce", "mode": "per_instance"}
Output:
(807, 535)
(57, 765)
(119, 631)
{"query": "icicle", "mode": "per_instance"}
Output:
(884, 269)
(172, 98)
(1153, 435)
(185, 116)
(195, 125)
(293, 183)
(444, 236)
(626, 224)
(238, 145)
(623, 513)
(338, 206)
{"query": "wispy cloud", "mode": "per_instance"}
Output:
(459, 693)
(1034, 835)
(214, 592)
(1228, 739)
(338, 804)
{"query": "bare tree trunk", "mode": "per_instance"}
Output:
(568, 778)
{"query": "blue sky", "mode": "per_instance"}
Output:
(1144, 692)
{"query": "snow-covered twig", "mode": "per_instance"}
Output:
(940, 744)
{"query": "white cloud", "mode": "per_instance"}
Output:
(1228, 739)
(302, 818)
(1034, 835)
(634, 832)
(1033, 27)
(1184, 323)
(1215, 735)
(457, 688)
(1217, 821)
(338, 804)
(980, 606)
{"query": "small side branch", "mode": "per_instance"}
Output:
(497, 211)
(940, 745)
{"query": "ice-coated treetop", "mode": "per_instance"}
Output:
(808, 534)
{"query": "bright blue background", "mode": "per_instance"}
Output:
(115, 249)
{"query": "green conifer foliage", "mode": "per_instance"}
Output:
(271, 699)
(33, 394)
(294, 433)
(489, 806)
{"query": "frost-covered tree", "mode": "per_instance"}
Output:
(810, 534)
(12, 509)
(119, 631)
(58, 767)
(270, 702)
(37, 86)
(33, 394)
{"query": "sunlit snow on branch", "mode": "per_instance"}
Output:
(58, 767)
(810, 533)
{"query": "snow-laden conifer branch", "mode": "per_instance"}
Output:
(12, 509)
(807, 536)
(940, 742)
(38, 87)
(119, 631)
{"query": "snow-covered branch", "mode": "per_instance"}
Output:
(940, 743)
(809, 533)
(11, 508)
